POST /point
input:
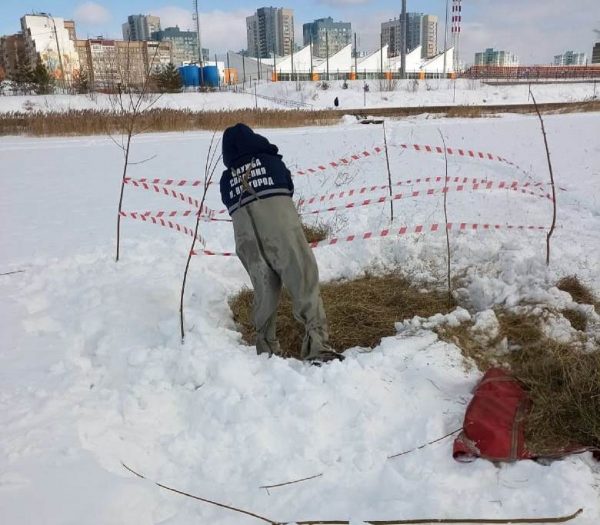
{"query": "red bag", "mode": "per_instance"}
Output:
(494, 425)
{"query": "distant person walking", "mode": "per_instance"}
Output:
(336, 102)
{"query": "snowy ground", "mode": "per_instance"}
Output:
(92, 371)
(404, 93)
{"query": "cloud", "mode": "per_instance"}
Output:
(219, 30)
(91, 13)
(535, 30)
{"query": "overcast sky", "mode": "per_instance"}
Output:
(535, 30)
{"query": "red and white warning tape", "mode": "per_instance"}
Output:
(167, 182)
(165, 223)
(413, 182)
(404, 230)
(417, 193)
(475, 184)
(461, 152)
(306, 171)
(170, 193)
(175, 213)
(344, 161)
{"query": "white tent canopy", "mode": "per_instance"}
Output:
(341, 61)
(372, 63)
(299, 62)
(436, 64)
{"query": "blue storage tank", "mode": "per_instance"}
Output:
(210, 76)
(190, 75)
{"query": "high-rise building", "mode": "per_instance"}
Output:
(392, 31)
(111, 64)
(327, 35)
(569, 58)
(12, 54)
(184, 44)
(491, 57)
(270, 30)
(140, 27)
(49, 38)
(596, 54)
(429, 36)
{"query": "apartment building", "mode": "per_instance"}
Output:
(270, 30)
(327, 36)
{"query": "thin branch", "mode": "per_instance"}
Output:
(537, 109)
(12, 273)
(387, 160)
(559, 519)
(267, 487)
(446, 216)
(120, 146)
(209, 170)
(143, 161)
(222, 505)
(426, 444)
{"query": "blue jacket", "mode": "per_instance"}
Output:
(254, 169)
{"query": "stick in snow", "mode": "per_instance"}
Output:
(222, 505)
(12, 273)
(537, 109)
(426, 444)
(209, 170)
(387, 160)
(559, 519)
(267, 487)
(446, 215)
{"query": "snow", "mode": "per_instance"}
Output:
(92, 371)
(278, 95)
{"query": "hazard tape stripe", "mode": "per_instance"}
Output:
(419, 193)
(345, 161)
(169, 193)
(165, 223)
(414, 182)
(168, 182)
(176, 213)
(404, 230)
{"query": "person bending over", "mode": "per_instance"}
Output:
(257, 190)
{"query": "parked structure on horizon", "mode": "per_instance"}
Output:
(421, 30)
(52, 40)
(327, 36)
(270, 30)
(596, 54)
(569, 58)
(140, 27)
(184, 45)
(491, 57)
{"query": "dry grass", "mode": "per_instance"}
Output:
(563, 380)
(100, 122)
(94, 122)
(316, 232)
(465, 112)
(360, 312)
(578, 320)
(580, 293)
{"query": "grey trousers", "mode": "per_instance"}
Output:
(271, 245)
